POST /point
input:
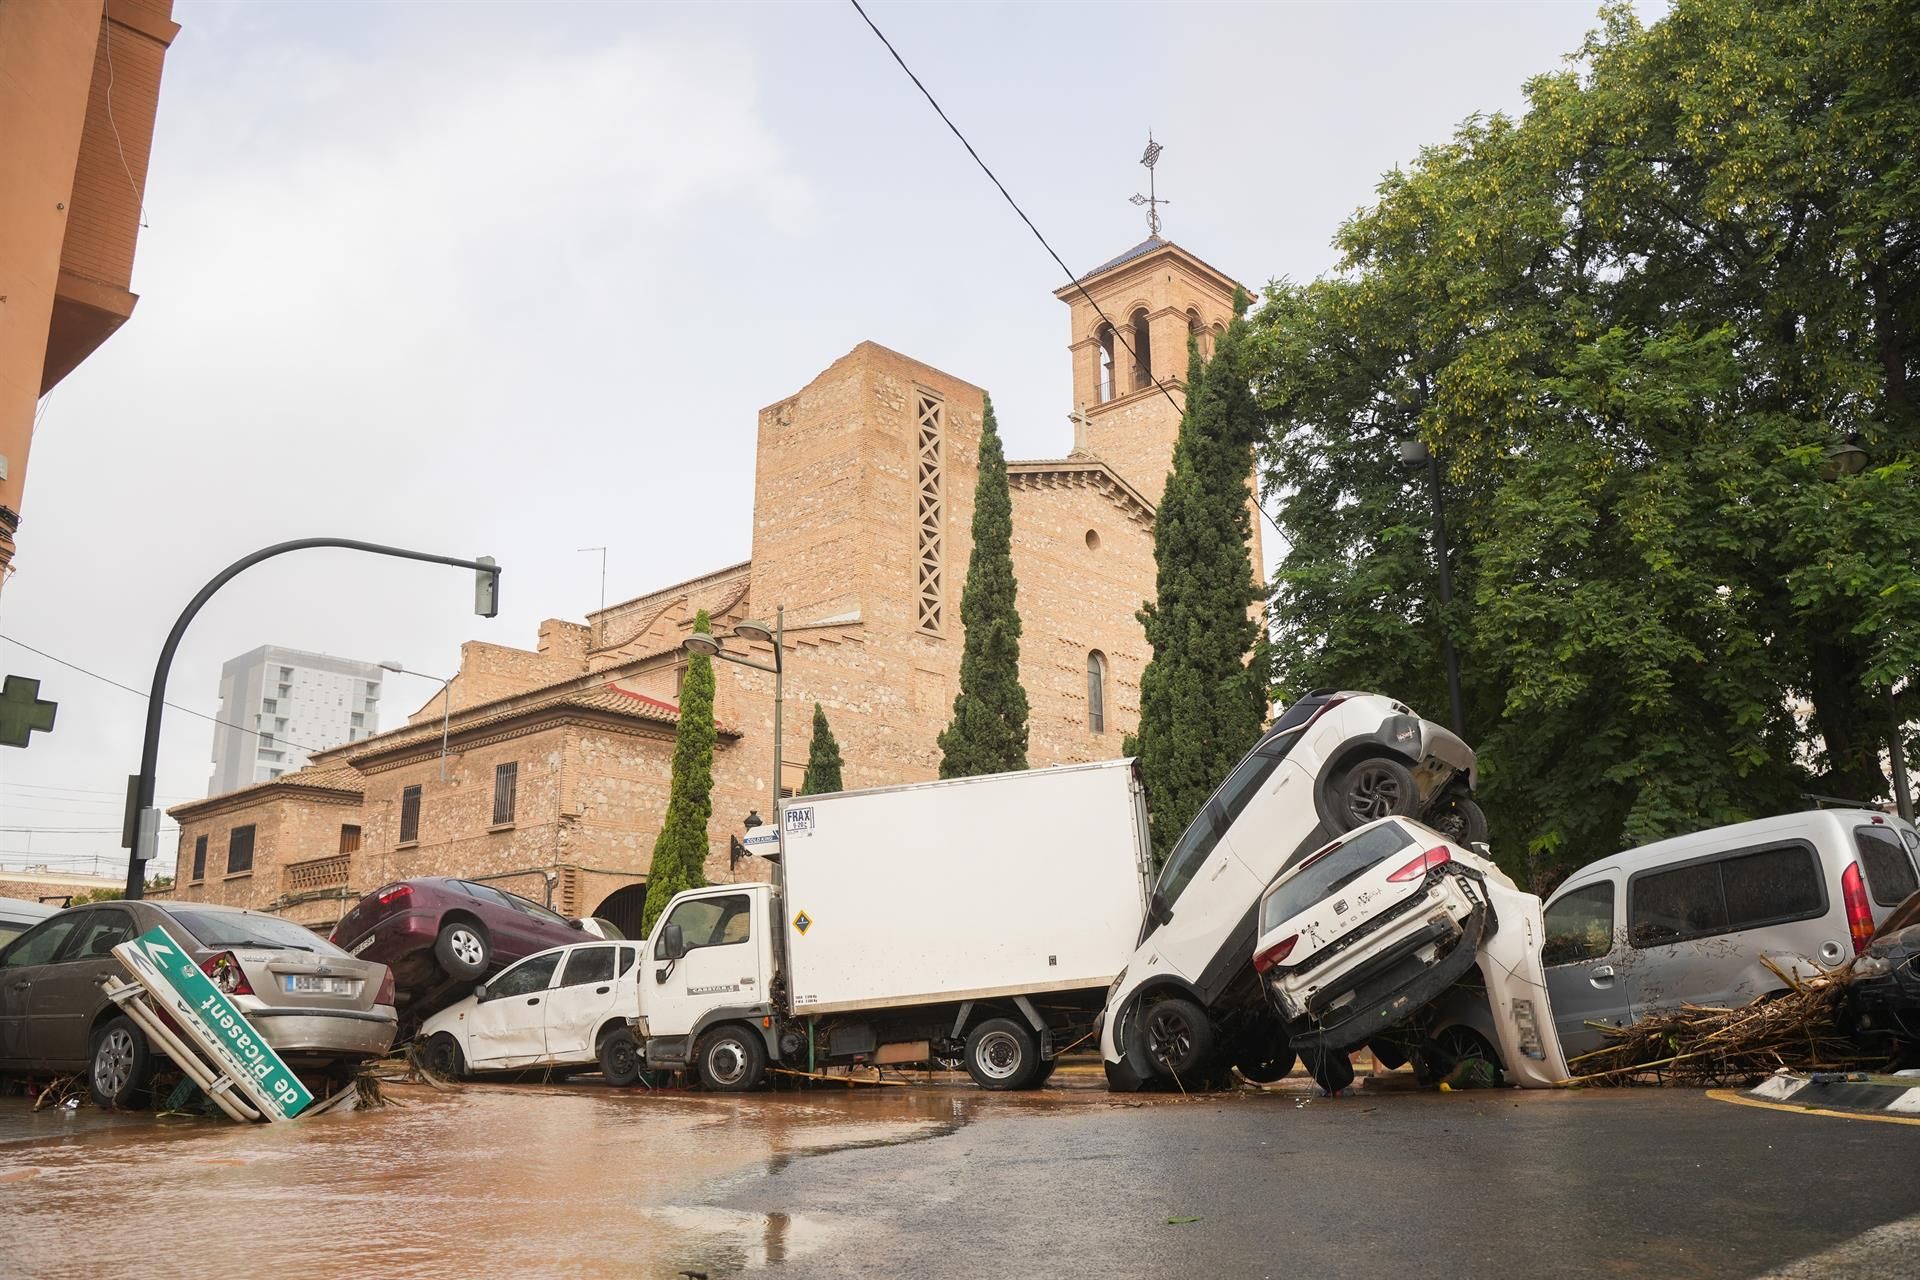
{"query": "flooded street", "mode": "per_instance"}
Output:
(582, 1180)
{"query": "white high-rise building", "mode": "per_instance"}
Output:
(278, 705)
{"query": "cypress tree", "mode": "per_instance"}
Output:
(823, 758)
(1203, 696)
(988, 733)
(680, 852)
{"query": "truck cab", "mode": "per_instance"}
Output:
(706, 994)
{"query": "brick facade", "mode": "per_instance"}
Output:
(863, 508)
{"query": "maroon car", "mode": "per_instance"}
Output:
(440, 936)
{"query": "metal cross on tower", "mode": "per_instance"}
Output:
(1151, 200)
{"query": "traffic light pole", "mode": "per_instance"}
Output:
(145, 825)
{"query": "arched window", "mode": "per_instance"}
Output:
(1198, 333)
(1142, 352)
(1104, 336)
(1096, 691)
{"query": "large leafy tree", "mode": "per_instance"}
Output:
(680, 851)
(1203, 695)
(1635, 322)
(823, 758)
(988, 733)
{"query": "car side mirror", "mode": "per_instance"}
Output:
(480, 993)
(673, 943)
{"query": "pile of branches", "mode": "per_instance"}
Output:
(1694, 1045)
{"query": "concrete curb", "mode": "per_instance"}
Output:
(1840, 1091)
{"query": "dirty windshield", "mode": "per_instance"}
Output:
(1331, 871)
(244, 929)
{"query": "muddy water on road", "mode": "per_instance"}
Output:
(563, 1180)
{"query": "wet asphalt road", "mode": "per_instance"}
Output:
(943, 1181)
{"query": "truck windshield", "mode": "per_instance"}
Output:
(1222, 807)
(1321, 877)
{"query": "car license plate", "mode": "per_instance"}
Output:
(315, 984)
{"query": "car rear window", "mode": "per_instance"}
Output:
(1889, 870)
(244, 929)
(1326, 873)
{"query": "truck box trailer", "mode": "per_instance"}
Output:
(972, 920)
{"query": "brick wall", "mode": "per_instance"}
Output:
(290, 828)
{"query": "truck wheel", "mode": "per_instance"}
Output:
(117, 1065)
(1376, 787)
(1001, 1054)
(1177, 1036)
(732, 1060)
(1045, 1073)
(442, 1056)
(619, 1057)
(463, 951)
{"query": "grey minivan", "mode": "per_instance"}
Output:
(1688, 920)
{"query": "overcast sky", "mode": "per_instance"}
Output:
(514, 279)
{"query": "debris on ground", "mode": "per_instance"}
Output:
(66, 1091)
(1696, 1045)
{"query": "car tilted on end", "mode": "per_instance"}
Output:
(318, 1007)
(1189, 998)
(570, 1006)
(1377, 937)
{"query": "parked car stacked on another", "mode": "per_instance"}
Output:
(318, 1007)
(440, 936)
(1189, 998)
(1389, 936)
(570, 1006)
(1690, 919)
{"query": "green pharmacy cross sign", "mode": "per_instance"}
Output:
(22, 711)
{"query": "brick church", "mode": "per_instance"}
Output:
(559, 757)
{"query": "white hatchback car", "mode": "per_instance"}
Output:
(1374, 937)
(568, 1006)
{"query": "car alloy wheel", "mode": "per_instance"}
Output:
(465, 944)
(1169, 1036)
(1376, 790)
(113, 1062)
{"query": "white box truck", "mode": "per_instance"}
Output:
(973, 920)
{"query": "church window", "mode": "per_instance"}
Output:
(1093, 539)
(1198, 333)
(1105, 338)
(1096, 691)
(1142, 352)
(929, 429)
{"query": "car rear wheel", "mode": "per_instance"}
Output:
(732, 1060)
(442, 1056)
(118, 1064)
(1002, 1054)
(1266, 1063)
(1331, 1069)
(1376, 787)
(463, 951)
(1459, 1056)
(1460, 820)
(1178, 1038)
(619, 1057)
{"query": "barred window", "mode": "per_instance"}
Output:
(506, 778)
(240, 849)
(410, 815)
(930, 428)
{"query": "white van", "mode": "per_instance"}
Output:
(1688, 920)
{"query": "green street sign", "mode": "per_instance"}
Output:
(22, 711)
(167, 971)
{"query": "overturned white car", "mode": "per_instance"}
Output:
(1395, 937)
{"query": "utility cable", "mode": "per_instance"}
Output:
(1071, 277)
(138, 694)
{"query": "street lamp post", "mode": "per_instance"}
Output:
(1414, 453)
(144, 819)
(446, 706)
(759, 633)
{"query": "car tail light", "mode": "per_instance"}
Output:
(1275, 954)
(1434, 857)
(225, 971)
(386, 988)
(1853, 890)
(390, 896)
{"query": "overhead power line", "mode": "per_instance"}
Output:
(1073, 279)
(143, 696)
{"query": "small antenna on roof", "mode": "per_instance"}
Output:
(1152, 201)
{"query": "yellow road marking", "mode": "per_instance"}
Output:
(1730, 1095)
